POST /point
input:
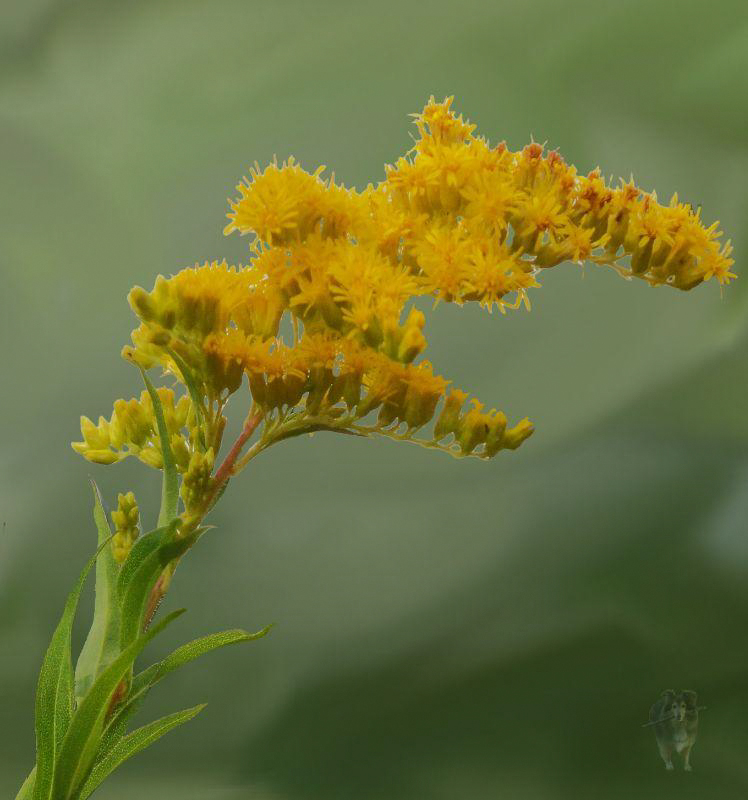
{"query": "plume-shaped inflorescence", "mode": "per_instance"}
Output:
(455, 219)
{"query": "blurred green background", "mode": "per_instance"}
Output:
(446, 629)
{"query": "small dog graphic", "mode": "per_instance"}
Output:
(675, 719)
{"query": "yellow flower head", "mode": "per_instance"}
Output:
(325, 321)
(279, 204)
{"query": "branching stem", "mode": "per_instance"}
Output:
(226, 470)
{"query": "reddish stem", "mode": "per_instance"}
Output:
(224, 472)
(154, 600)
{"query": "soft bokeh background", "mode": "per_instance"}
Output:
(446, 629)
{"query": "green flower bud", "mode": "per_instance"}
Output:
(125, 520)
(196, 483)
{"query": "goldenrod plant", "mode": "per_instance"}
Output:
(320, 331)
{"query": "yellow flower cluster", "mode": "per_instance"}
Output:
(125, 520)
(132, 430)
(321, 321)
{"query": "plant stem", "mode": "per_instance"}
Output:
(225, 471)
(221, 477)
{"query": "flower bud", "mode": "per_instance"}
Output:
(183, 412)
(375, 395)
(473, 429)
(449, 419)
(223, 371)
(276, 390)
(514, 437)
(420, 407)
(641, 258)
(116, 433)
(96, 437)
(257, 387)
(136, 421)
(125, 520)
(293, 389)
(138, 356)
(181, 452)
(318, 390)
(141, 304)
(412, 345)
(159, 337)
(97, 456)
(373, 334)
(352, 389)
(388, 413)
(196, 483)
(423, 392)
(331, 313)
(550, 255)
(495, 437)
(151, 457)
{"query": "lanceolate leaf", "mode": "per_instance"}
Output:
(205, 644)
(81, 742)
(134, 599)
(143, 547)
(54, 694)
(102, 643)
(117, 726)
(145, 680)
(132, 744)
(146, 545)
(170, 485)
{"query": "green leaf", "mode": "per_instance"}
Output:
(54, 694)
(81, 742)
(26, 792)
(170, 484)
(142, 548)
(144, 681)
(147, 544)
(102, 643)
(134, 598)
(117, 726)
(192, 388)
(132, 744)
(198, 647)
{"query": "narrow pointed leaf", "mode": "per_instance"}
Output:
(116, 728)
(145, 680)
(134, 601)
(102, 643)
(54, 694)
(81, 742)
(142, 548)
(134, 743)
(170, 485)
(205, 644)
